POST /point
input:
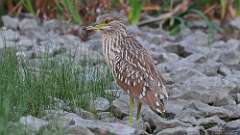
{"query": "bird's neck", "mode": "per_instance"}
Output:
(112, 45)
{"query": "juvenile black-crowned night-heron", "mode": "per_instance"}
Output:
(131, 64)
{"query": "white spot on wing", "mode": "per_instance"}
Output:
(158, 110)
(157, 103)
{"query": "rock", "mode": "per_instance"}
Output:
(210, 90)
(116, 93)
(156, 122)
(106, 117)
(182, 74)
(177, 49)
(83, 55)
(235, 23)
(196, 58)
(52, 25)
(180, 131)
(70, 119)
(198, 110)
(179, 65)
(9, 35)
(59, 104)
(120, 107)
(230, 57)
(33, 123)
(232, 128)
(235, 94)
(28, 23)
(224, 70)
(233, 108)
(10, 22)
(175, 107)
(210, 122)
(196, 42)
(77, 130)
(95, 45)
(173, 131)
(189, 120)
(234, 78)
(84, 114)
(165, 57)
(26, 42)
(100, 104)
(210, 68)
(216, 130)
(199, 24)
(5, 43)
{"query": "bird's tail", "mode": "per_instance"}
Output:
(155, 100)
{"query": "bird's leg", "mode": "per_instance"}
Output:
(131, 109)
(139, 107)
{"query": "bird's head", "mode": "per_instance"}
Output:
(108, 24)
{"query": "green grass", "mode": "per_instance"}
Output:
(237, 6)
(29, 6)
(135, 11)
(26, 91)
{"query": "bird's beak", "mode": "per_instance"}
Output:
(96, 27)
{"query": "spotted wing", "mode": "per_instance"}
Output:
(135, 72)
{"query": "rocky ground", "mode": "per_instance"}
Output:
(203, 80)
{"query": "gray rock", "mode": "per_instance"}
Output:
(120, 107)
(106, 117)
(216, 130)
(179, 65)
(210, 68)
(180, 131)
(5, 43)
(175, 106)
(199, 24)
(100, 104)
(233, 108)
(10, 22)
(196, 58)
(95, 45)
(116, 93)
(189, 119)
(196, 42)
(224, 70)
(51, 25)
(84, 55)
(33, 123)
(230, 58)
(182, 74)
(9, 35)
(210, 122)
(28, 23)
(198, 109)
(77, 130)
(59, 104)
(26, 42)
(70, 119)
(232, 128)
(84, 114)
(235, 94)
(156, 121)
(165, 57)
(234, 78)
(173, 131)
(235, 23)
(213, 90)
(177, 49)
